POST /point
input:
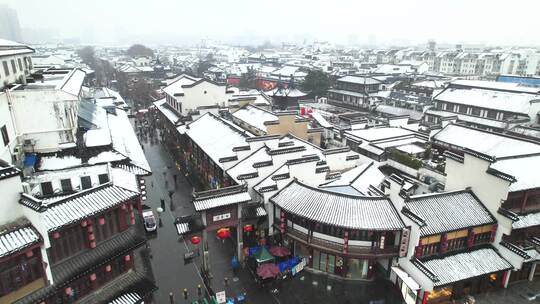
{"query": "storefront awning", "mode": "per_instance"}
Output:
(404, 276)
(462, 266)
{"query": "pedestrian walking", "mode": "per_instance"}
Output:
(162, 203)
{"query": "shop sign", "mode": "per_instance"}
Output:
(404, 242)
(299, 267)
(221, 217)
(221, 297)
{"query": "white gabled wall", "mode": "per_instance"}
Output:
(6, 120)
(490, 189)
(201, 95)
(10, 189)
(48, 117)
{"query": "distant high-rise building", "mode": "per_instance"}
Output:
(432, 45)
(10, 28)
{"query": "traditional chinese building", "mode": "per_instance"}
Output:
(347, 235)
(91, 239)
(450, 248)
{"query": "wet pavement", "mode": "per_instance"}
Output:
(172, 275)
(516, 293)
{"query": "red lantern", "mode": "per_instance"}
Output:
(223, 233)
(101, 221)
(108, 268)
(127, 258)
(195, 240)
(29, 254)
(93, 277)
(248, 228)
(56, 235)
(68, 291)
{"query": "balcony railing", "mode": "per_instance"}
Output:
(353, 250)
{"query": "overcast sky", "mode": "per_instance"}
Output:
(388, 22)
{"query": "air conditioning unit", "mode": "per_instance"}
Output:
(26, 188)
(29, 142)
(18, 154)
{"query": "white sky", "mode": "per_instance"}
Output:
(396, 22)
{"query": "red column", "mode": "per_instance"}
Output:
(345, 242)
(90, 237)
(131, 214)
(122, 216)
(444, 243)
(283, 224)
(418, 250)
(470, 238)
(493, 232)
(128, 259)
(93, 281)
(425, 298)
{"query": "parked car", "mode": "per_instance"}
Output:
(149, 221)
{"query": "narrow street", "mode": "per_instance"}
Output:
(167, 249)
(173, 276)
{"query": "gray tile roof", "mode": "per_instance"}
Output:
(73, 208)
(443, 212)
(127, 298)
(341, 210)
(461, 266)
(528, 220)
(17, 239)
(219, 200)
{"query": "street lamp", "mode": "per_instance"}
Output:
(160, 211)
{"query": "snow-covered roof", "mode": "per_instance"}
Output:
(341, 210)
(221, 199)
(495, 85)
(520, 169)
(286, 71)
(175, 86)
(73, 208)
(450, 211)
(489, 99)
(461, 266)
(215, 137)
(345, 92)
(527, 220)
(470, 119)
(72, 82)
(357, 180)
(97, 137)
(124, 179)
(163, 107)
(255, 116)
(374, 134)
(321, 120)
(489, 143)
(46, 176)
(397, 111)
(429, 84)
(286, 92)
(106, 157)
(9, 48)
(126, 142)
(359, 80)
(411, 149)
(14, 240)
(58, 163)
(92, 116)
